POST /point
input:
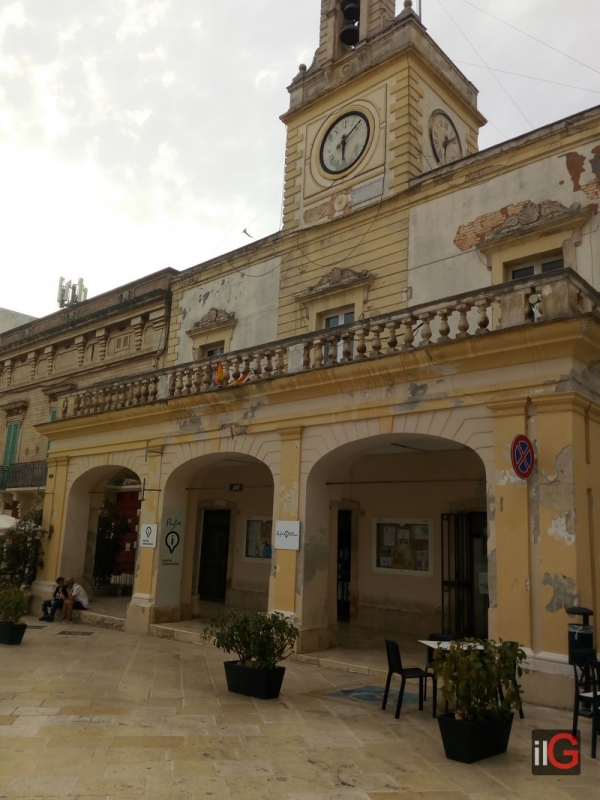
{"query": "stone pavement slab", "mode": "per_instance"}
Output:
(113, 716)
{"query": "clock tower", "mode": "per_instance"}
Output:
(379, 105)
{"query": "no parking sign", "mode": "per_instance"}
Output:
(522, 456)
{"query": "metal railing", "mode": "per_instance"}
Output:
(25, 474)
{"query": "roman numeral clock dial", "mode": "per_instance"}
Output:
(444, 138)
(344, 143)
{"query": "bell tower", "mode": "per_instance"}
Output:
(379, 105)
(345, 23)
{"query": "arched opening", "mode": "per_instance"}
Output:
(225, 504)
(396, 538)
(100, 541)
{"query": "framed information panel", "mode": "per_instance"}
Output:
(403, 546)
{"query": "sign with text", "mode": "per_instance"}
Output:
(171, 536)
(287, 535)
(555, 752)
(148, 535)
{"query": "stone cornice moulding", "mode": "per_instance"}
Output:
(336, 280)
(213, 320)
(15, 408)
(546, 217)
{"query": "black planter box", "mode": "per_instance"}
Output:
(254, 682)
(12, 632)
(473, 741)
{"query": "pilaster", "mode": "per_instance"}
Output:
(510, 615)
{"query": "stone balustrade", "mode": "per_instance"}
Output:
(528, 301)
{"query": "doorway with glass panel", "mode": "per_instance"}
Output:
(333, 319)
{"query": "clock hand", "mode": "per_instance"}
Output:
(353, 129)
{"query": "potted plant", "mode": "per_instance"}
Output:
(21, 552)
(259, 641)
(479, 681)
(13, 604)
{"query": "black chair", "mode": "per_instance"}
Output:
(395, 667)
(435, 637)
(590, 677)
(515, 646)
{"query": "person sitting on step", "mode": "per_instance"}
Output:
(77, 600)
(50, 607)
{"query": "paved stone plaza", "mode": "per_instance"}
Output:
(112, 715)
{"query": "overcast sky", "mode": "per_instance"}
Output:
(142, 134)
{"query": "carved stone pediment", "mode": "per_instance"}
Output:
(337, 278)
(15, 408)
(532, 214)
(214, 318)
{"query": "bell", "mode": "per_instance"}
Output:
(351, 10)
(349, 34)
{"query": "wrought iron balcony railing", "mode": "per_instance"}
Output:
(26, 474)
(540, 298)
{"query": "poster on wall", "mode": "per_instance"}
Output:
(403, 546)
(171, 535)
(258, 538)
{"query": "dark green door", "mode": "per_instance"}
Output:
(212, 582)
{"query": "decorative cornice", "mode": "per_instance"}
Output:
(215, 318)
(532, 214)
(15, 408)
(338, 278)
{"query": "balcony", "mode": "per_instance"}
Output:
(23, 475)
(487, 312)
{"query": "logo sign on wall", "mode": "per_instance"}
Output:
(148, 535)
(287, 535)
(522, 456)
(172, 531)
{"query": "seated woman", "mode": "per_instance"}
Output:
(76, 601)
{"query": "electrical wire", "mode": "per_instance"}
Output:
(535, 39)
(529, 77)
(262, 186)
(478, 54)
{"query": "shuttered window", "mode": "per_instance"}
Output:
(11, 445)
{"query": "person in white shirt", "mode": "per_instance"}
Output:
(77, 600)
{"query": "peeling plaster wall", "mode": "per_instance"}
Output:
(252, 294)
(436, 267)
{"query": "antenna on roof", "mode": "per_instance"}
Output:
(69, 293)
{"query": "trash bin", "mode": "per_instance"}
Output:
(581, 636)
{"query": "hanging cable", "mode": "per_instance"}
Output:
(530, 36)
(478, 54)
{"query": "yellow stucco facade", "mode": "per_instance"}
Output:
(380, 356)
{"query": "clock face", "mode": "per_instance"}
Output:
(345, 142)
(444, 137)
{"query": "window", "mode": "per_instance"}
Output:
(403, 546)
(216, 349)
(332, 319)
(11, 444)
(122, 342)
(538, 267)
(258, 538)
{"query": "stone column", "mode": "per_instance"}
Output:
(55, 502)
(139, 611)
(561, 534)
(286, 506)
(509, 543)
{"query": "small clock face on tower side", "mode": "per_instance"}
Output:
(444, 138)
(345, 142)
